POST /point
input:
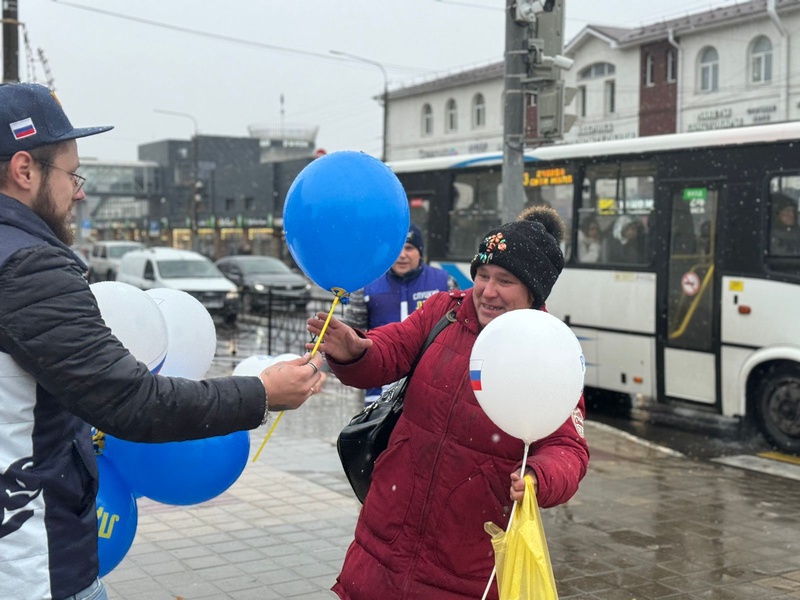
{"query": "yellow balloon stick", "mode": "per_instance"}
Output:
(340, 293)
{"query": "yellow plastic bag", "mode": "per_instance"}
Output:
(521, 558)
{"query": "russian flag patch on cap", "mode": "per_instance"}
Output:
(475, 367)
(22, 129)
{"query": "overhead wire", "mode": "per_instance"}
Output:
(228, 38)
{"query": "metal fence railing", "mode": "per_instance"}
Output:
(280, 328)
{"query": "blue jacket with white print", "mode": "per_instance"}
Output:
(61, 369)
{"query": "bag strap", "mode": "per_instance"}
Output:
(450, 317)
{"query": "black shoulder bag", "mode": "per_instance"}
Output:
(367, 435)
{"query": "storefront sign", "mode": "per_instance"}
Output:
(762, 114)
(601, 132)
(715, 118)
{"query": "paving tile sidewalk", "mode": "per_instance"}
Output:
(645, 524)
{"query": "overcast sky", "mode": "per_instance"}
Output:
(115, 62)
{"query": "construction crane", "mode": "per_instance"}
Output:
(31, 58)
(51, 83)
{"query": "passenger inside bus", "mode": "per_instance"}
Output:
(629, 243)
(589, 240)
(785, 235)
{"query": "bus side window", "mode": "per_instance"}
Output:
(684, 240)
(590, 240)
(598, 204)
(621, 199)
(784, 239)
(629, 244)
(473, 212)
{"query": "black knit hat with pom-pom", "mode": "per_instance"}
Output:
(529, 248)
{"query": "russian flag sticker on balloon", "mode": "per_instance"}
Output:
(527, 370)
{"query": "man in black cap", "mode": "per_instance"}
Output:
(62, 370)
(397, 293)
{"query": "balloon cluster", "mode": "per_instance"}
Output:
(172, 333)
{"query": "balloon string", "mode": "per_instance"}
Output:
(510, 519)
(339, 294)
(269, 434)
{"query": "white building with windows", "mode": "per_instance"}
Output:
(457, 114)
(726, 67)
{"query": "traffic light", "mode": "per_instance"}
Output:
(551, 122)
(545, 43)
(545, 46)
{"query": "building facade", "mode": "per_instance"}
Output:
(458, 114)
(217, 185)
(726, 67)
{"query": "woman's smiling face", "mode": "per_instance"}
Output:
(498, 291)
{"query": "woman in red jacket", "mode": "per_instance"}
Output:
(448, 469)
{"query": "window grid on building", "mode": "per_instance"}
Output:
(427, 120)
(610, 100)
(761, 60)
(672, 67)
(582, 101)
(451, 116)
(709, 70)
(478, 112)
(597, 70)
(650, 67)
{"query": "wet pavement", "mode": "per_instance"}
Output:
(647, 522)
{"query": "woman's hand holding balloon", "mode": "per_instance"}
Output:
(290, 383)
(340, 342)
(518, 484)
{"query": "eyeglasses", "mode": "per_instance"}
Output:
(77, 180)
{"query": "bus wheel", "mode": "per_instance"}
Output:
(778, 407)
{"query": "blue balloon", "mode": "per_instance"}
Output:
(345, 219)
(180, 473)
(117, 517)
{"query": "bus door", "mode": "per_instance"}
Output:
(687, 342)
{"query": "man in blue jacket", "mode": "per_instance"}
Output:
(397, 293)
(63, 371)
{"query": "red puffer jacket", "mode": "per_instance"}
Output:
(447, 469)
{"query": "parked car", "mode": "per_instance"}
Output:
(261, 279)
(182, 270)
(82, 251)
(105, 258)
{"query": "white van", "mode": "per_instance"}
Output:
(182, 270)
(105, 257)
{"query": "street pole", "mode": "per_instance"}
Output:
(196, 183)
(10, 42)
(513, 199)
(384, 154)
(385, 145)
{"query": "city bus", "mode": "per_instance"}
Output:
(682, 275)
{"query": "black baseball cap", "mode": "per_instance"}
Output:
(31, 116)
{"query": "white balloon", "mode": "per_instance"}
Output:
(285, 357)
(134, 319)
(191, 335)
(527, 370)
(253, 365)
